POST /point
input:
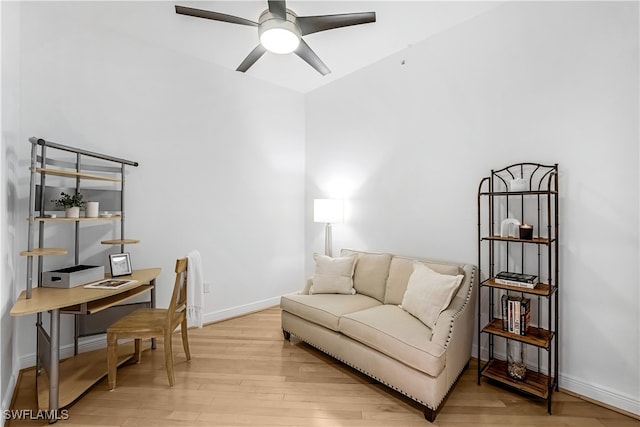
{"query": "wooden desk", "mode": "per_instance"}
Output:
(61, 391)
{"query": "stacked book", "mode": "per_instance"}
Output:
(516, 314)
(516, 279)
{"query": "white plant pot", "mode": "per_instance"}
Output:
(73, 212)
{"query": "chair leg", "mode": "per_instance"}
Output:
(185, 338)
(168, 357)
(112, 359)
(137, 355)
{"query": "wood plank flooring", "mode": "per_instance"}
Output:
(243, 373)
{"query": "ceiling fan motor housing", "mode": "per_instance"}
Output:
(279, 35)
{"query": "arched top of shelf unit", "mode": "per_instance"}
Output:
(521, 179)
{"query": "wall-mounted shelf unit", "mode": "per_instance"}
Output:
(520, 193)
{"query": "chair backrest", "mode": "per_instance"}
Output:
(178, 305)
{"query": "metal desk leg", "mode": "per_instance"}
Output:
(54, 362)
(153, 305)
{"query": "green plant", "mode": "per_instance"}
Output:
(66, 201)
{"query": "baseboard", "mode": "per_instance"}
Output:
(596, 394)
(241, 310)
(601, 395)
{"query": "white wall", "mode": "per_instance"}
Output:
(220, 170)
(408, 139)
(9, 123)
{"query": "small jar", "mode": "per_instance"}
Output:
(516, 360)
(526, 231)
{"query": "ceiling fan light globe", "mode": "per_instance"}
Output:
(279, 40)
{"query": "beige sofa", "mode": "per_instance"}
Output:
(369, 331)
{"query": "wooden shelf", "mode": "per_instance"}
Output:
(45, 251)
(536, 336)
(74, 174)
(120, 242)
(535, 240)
(81, 219)
(96, 306)
(77, 374)
(534, 383)
(541, 289)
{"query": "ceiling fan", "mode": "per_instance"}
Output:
(280, 30)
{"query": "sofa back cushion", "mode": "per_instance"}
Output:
(429, 293)
(333, 275)
(370, 275)
(401, 269)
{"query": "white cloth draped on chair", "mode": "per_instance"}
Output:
(195, 289)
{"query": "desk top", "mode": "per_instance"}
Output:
(44, 299)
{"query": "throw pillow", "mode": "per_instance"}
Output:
(333, 275)
(429, 293)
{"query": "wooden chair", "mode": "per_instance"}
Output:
(151, 323)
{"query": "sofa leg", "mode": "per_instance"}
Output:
(429, 414)
(287, 334)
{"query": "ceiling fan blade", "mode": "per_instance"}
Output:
(310, 57)
(206, 14)
(278, 8)
(313, 24)
(251, 58)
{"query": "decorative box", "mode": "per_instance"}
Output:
(72, 276)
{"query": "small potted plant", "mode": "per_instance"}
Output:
(70, 203)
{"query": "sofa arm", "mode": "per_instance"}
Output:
(307, 286)
(442, 330)
(460, 313)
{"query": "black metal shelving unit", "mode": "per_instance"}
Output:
(524, 193)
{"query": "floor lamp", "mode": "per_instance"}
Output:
(329, 211)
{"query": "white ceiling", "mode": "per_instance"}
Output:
(399, 25)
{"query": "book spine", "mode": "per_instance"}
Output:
(505, 313)
(514, 283)
(525, 316)
(516, 316)
(510, 315)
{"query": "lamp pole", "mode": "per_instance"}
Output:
(328, 249)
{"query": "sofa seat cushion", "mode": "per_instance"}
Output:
(394, 332)
(325, 309)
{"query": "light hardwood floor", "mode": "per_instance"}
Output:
(243, 372)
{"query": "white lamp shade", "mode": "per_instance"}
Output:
(328, 210)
